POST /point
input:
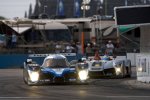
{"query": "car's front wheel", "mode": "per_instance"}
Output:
(27, 80)
(129, 72)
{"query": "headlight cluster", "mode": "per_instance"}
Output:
(83, 75)
(34, 76)
(139, 69)
(118, 69)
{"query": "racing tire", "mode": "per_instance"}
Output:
(129, 72)
(27, 81)
(24, 77)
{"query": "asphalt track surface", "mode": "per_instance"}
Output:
(12, 87)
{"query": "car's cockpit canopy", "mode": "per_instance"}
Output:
(56, 61)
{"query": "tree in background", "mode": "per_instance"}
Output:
(37, 10)
(25, 14)
(1, 17)
(30, 11)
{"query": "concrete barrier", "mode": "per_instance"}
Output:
(132, 57)
(143, 67)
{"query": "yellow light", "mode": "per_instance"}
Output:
(97, 65)
(83, 75)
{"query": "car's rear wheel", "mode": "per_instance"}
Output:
(129, 72)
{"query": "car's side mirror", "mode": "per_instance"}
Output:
(29, 61)
(83, 59)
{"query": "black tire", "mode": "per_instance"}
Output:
(27, 80)
(24, 77)
(123, 72)
(129, 71)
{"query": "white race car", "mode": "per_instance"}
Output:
(112, 68)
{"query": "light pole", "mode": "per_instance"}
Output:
(145, 1)
(126, 2)
(85, 6)
(99, 22)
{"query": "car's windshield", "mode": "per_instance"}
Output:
(56, 63)
(97, 64)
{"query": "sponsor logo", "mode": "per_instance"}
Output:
(45, 55)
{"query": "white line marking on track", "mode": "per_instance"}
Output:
(99, 96)
(20, 97)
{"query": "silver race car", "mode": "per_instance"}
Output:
(55, 69)
(113, 68)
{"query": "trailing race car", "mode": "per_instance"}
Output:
(109, 67)
(55, 69)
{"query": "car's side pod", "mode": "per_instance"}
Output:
(28, 61)
(81, 66)
(31, 65)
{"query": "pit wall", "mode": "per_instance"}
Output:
(17, 60)
(143, 59)
(132, 57)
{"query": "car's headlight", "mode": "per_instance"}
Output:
(139, 69)
(34, 76)
(83, 75)
(118, 70)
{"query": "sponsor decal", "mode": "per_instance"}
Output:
(45, 55)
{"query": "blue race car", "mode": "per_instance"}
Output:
(55, 69)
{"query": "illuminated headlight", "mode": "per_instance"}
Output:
(139, 69)
(83, 75)
(34, 76)
(118, 70)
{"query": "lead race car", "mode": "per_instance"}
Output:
(117, 68)
(55, 69)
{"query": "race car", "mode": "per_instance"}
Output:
(55, 69)
(116, 68)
